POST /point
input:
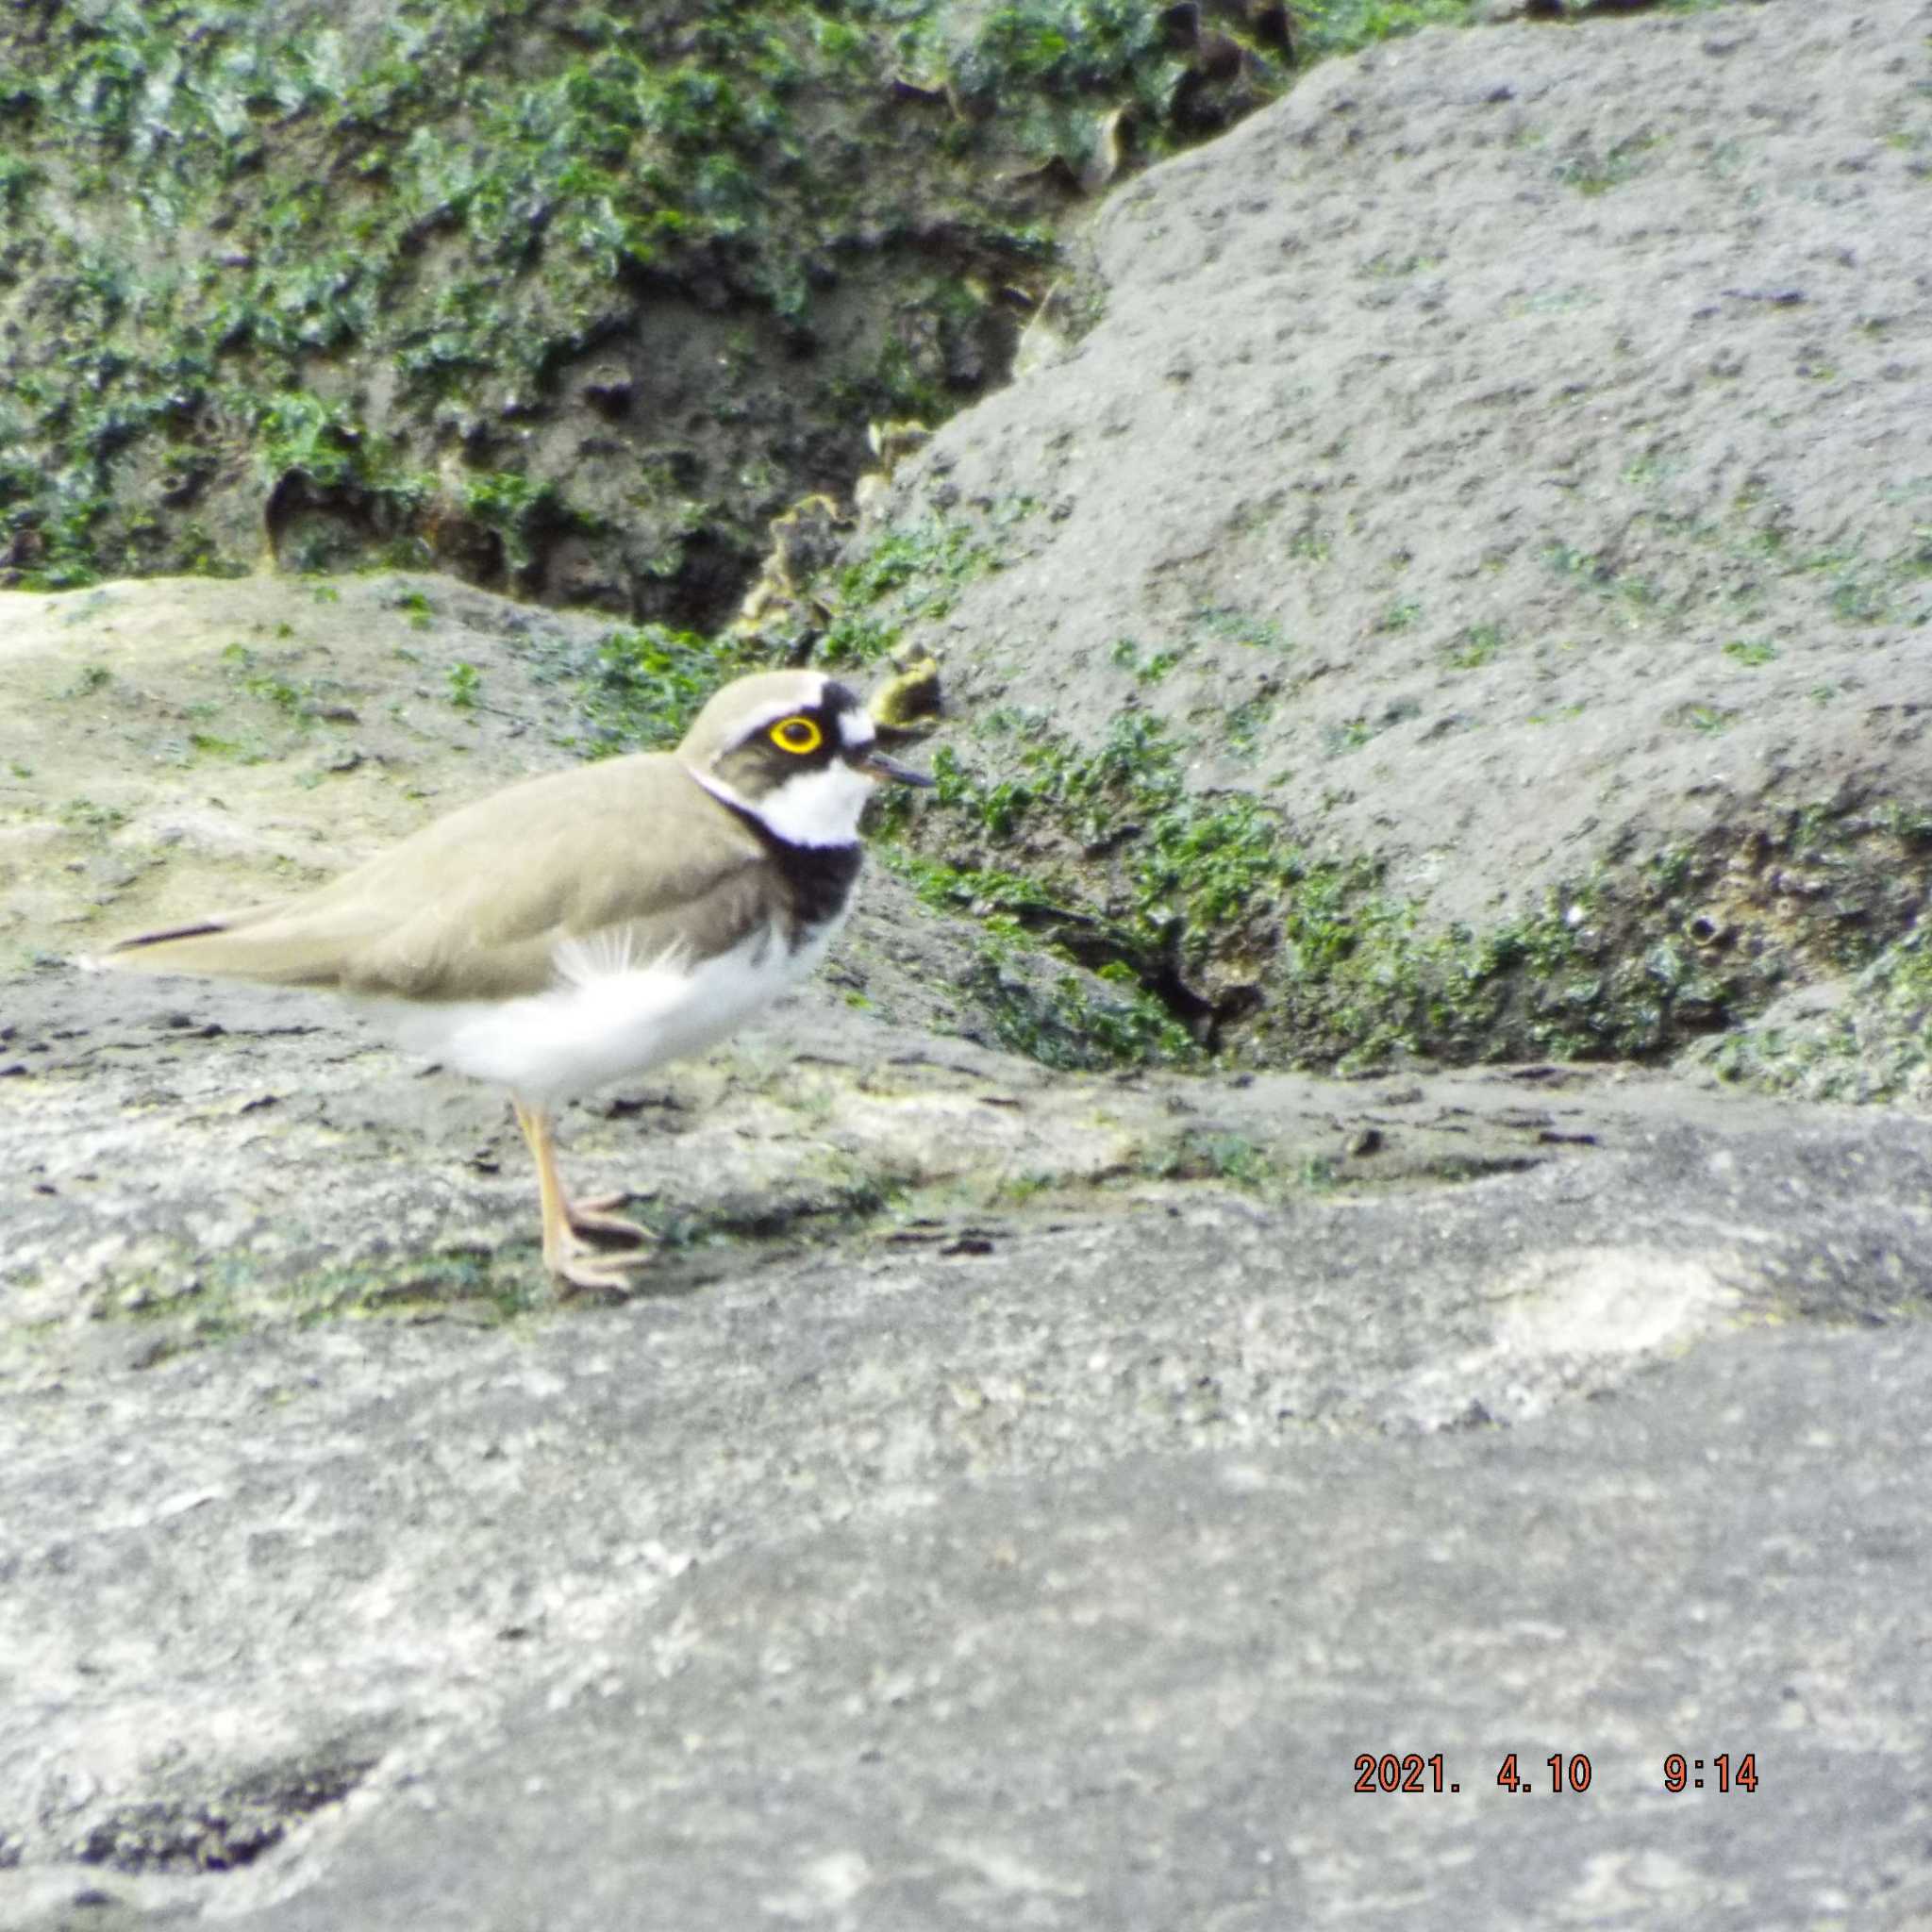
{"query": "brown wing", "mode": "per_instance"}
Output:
(475, 904)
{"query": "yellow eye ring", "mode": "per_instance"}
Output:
(799, 735)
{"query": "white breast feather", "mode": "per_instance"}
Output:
(607, 1017)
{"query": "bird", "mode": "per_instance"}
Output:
(586, 925)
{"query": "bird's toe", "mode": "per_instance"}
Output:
(594, 1221)
(580, 1274)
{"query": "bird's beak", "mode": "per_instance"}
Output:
(878, 767)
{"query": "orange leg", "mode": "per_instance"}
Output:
(567, 1252)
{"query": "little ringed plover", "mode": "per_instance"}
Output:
(589, 925)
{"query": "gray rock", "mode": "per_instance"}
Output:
(1044, 1523)
(1142, 1695)
(1522, 434)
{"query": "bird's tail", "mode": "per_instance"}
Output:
(270, 945)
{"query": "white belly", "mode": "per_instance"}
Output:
(605, 1019)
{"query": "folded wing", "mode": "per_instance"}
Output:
(475, 904)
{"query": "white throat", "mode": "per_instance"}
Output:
(819, 808)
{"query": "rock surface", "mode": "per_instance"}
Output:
(1016, 1498)
(1047, 1527)
(1507, 455)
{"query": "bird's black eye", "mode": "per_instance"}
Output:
(799, 735)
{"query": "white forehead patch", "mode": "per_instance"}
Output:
(853, 726)
(808, 700)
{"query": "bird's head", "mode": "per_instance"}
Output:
(797, 750)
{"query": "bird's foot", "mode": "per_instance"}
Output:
(594, 1221)
(579, 1268)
